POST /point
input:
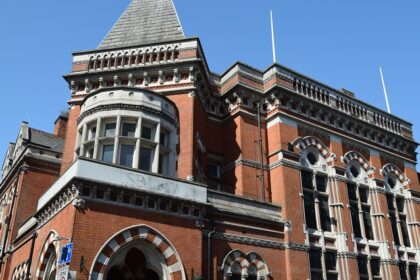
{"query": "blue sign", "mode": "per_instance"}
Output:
(66, 253)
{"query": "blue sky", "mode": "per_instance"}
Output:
(341, 43)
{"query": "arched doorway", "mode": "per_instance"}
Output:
(134, 266)
(50, 268)
(138, 253)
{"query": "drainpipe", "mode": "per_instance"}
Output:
(209, 252)
(9, 218)
(29, 263)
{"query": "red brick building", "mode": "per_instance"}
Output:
(163, 169)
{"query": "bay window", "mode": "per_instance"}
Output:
(134, 142)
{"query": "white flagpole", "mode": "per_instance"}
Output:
(386, 94)
(272, 36)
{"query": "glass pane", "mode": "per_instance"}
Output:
(146, 132)
(351, 190)
(330, 260)
(108, 153)
(315, 259)
(403, 273)
(368, 222)
(390, 202)
(404, 230)
(164, 139)
(325, 213)
(89, 153)
(332, 277)
(307, 180)
(110, 129)
(145, 159)
(394, 228)
(354, 211)
(375, 267)
(362, 265)
(309, 210)
(316, 276)
(413, 271)
(400, 204)
(128, 129)
(364, 195)
(126, 155)
(213, 170)
(92, 133)
(321, 183)
(235, 277)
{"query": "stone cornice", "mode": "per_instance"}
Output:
(128, 107)
(260, 242)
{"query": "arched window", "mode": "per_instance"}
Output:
(315, 187)
(236, 272)
(238, 266)
(252, 273)
(359, 197)
(51, 264)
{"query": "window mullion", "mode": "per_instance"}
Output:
(83, 140)
(96, 146)
(324, 267)
(361, 217)
(137, 134)
(398, 221)
(117, 140)
(316, 202)
(155, 161)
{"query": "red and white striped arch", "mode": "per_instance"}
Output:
(136, 233)
(45, 254)
(245, 261)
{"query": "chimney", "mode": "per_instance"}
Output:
(60, 126)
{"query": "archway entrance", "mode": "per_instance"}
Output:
(136, 253)
(134, 267)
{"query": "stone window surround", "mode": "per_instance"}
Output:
(369, 265)
(360, 182)
(327, 273)
(100, 119)
(395, 193)
(320, 168)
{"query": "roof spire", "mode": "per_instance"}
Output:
(144, 22)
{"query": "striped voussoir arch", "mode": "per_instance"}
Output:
(391, 168)
(147, 234)
(245, 261)
(48, 249)
(353, 155)
(20, 271)
(303, 143)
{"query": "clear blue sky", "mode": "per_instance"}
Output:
(341, 43)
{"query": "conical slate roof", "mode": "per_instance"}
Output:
(143, 22)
